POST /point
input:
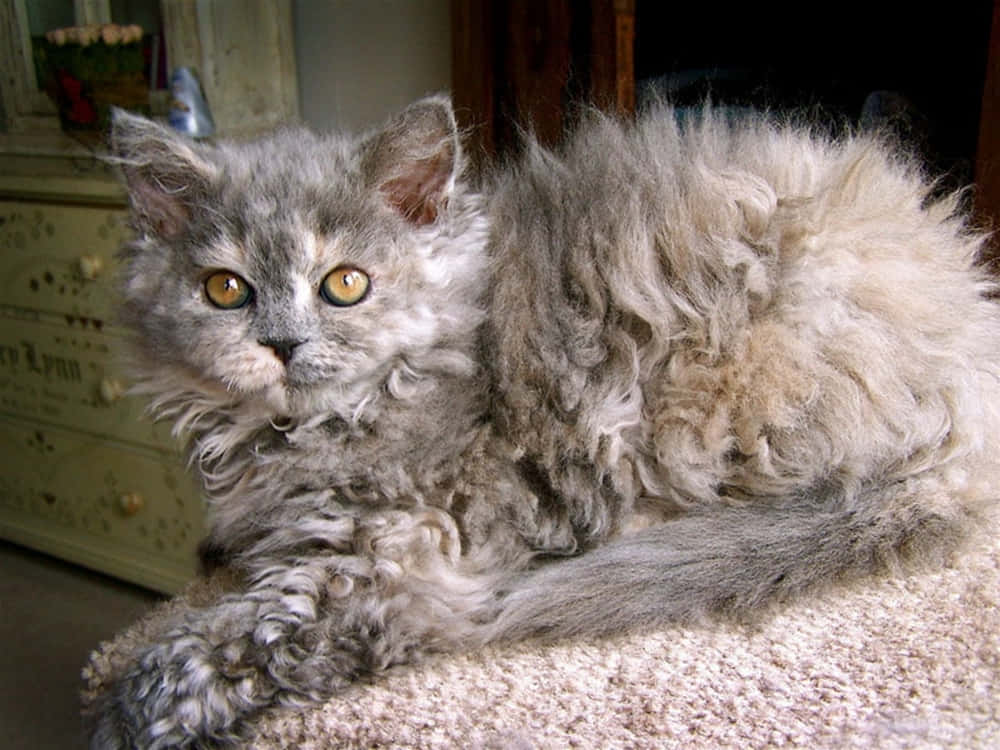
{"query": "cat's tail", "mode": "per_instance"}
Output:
(729, 560)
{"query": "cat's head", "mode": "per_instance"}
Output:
(301, 274)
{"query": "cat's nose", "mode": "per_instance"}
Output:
(283, 348)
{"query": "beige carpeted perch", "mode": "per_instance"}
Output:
(910, 662)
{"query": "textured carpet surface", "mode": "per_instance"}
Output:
(911, 662)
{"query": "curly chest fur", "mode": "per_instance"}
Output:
(276, 478)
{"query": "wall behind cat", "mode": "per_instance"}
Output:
(360, 61)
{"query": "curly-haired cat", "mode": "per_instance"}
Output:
(669, 370)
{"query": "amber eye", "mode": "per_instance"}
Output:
(227, 290)
(345, 286)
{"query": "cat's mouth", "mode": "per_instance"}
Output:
(279, 366)
(294, 388)
(299, 391)
(300, 376)
(287, 397)
(263, 380)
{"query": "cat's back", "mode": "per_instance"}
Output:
(679, 179)
(680, 299)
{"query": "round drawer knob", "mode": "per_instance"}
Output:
(91, 266)
(111, 389)
(131, 503)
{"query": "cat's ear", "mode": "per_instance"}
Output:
(414, 160)
(165, 173)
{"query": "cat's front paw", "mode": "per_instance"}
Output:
(121, 722)
(109, 727)
(173, 697)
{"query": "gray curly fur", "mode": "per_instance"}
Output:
(665, 372)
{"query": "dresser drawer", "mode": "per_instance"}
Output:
(60, 259)
(66, 375)
(84, 475)
(127, 511)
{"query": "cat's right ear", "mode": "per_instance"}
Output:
(415, 159)
(165, 173)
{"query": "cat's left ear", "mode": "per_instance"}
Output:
(166, 174)
(415, 159)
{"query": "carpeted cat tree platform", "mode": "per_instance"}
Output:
(905, 662)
